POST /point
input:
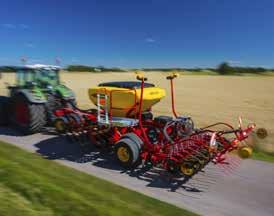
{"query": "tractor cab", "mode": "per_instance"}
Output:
(40, 81)
(44, 76)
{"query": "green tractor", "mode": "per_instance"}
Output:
(32, 101)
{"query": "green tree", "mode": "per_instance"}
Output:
(225, 68)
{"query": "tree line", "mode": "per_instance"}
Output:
(85, 68)
(223, 69)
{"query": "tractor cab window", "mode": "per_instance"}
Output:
(20, 78)
(28, 77)
(23, 77)
(47, 77)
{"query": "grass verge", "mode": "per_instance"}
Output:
(258, 155)
(31, 185)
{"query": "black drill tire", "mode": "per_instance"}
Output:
(37, 115)
(133, 150)
(4, 110)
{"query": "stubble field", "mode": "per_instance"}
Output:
(207, 99)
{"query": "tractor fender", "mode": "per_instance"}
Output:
(31, 97)
(132, 136)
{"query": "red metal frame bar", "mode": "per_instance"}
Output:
(140, 115)
(173, 97)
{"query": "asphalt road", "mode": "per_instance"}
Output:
(243, 187)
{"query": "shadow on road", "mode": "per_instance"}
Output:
(62, 149)
(8, 131)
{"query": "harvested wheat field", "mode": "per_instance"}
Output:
(207, 99)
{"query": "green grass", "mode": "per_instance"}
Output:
(31, 185)
(258, 155)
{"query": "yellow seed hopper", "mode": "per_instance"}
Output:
(124, 97)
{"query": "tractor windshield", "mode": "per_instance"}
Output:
(47, 77)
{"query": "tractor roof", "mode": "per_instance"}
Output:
(38, 66)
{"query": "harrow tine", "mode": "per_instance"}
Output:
(213, 171)
(234, 163)
(193, 156)
(226, 170)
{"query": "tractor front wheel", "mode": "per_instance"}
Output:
(27, 117)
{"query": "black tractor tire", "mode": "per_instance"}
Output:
(4, 120)
(127, 153)
(34, 115)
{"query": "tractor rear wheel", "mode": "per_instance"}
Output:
(127, 153)
(4, 110)
(27, 117)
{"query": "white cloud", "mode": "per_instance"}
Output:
(9, 25)
(24, 26)
(29, 45)
(14, 26)
(150, 40)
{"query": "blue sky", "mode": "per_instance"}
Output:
(143, 33)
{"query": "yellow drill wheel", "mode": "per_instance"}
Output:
(123, 154)
(187, 169)
(245, 152)
(60, 126)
